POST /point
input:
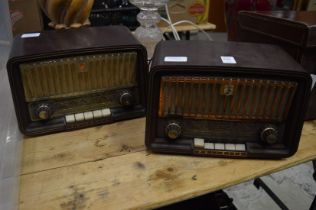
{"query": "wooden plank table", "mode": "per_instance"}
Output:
(108, 167)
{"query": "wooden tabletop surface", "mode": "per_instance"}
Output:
(108, 167)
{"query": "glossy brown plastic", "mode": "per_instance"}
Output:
(294, 31)
(204, 59)
(72, 42)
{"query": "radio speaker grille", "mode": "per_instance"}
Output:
(73, 76)
(222, 98)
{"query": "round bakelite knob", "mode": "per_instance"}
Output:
(269, 135)
(44, 111)
(173, 130)
(127, 99)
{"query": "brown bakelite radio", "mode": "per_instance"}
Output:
(225, 99)
(69, 79)
(293, 31)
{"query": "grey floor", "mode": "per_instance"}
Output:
(10, 144)
(294, 186)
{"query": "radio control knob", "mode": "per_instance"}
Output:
(269, 135)
(127, 99)
(173, 130)
(44, 111)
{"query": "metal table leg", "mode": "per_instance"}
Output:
(259, 183)
(313, 205)
(314, 165)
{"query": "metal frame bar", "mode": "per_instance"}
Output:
(314, 165)
(313, 205)
(259, 183)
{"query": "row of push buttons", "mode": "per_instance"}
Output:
(199, 143)
(71, 118)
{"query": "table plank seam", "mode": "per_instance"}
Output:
(140, 149)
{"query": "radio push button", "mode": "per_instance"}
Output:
(97, 114)
(70, 118)
(173, 130)
(219, 146)
(79, 117)
(199, 142)
(209, 146)
(230, 147)
(88, 115)
(240, 147)
(106, 112)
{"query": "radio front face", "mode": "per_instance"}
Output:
(82, 90)
(221, 115)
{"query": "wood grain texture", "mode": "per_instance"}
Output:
(130, 180)
(86, 145)
(188, 27)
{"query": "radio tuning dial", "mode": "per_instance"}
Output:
(44, 111)
(127, 99)
(173, 130)
(269, 135)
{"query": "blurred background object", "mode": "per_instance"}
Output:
(148, 32)
(234, 6)
(5, 24)
(114, 12)
(196, 11)
(311, 5)
(109, 12)
(25, 16)
(67, 13)
(217, 15)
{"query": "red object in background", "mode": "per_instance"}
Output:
(234, 6)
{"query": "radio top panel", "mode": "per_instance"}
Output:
(224, 54)
(58, 42)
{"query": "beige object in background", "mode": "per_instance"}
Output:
(67, 13)
(25, 16)
(196, 11)
(311, 5)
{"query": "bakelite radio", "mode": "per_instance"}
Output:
(225, 99)
(69, 79)
(293, 31)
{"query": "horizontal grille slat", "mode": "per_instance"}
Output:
(225, 98)
(74, 76)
